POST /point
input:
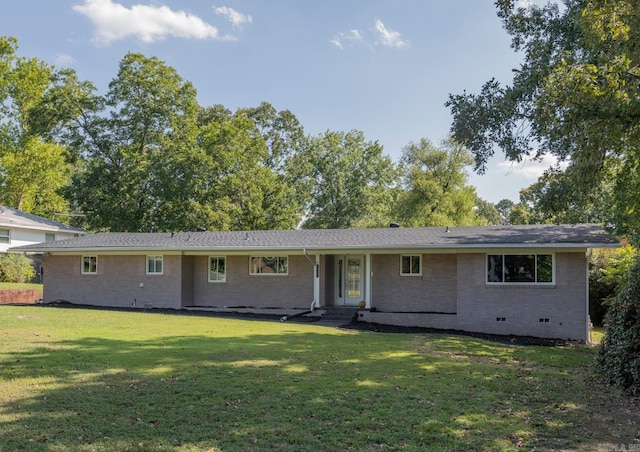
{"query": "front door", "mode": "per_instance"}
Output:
(349, 280)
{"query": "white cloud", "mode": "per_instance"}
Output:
(63, 59)
(388, 37)
(529, 168)
(523, 3)
(114, 22)
(236, 18)
(383, 36)
(346, 39)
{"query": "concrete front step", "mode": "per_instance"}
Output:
(339, 314)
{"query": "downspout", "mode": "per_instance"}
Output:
(313, 302)
(588, 319)
(315, 270)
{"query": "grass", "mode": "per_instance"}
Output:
(20, 286)
(596, 334)
(94, 380)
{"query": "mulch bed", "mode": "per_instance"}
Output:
(360, 326)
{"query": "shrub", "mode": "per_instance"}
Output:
(15, 268)
(619, 355)
(608, 271)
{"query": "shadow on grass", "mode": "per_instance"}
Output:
(295, 390)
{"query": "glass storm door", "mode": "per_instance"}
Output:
(349, 280)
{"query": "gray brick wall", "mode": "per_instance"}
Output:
(522, 307)
(294, 290)
(562, 307)
(117, 282)
(434, 291)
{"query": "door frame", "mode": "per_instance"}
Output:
(341, 280)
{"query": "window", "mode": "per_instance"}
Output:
(274, 265)
(5, 236)
(154, 265)
(520, 268)
(49, 237)
(89, 265)
(217, 269)
(410, 265)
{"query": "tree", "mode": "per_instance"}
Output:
(619, 354)
(504, 207)
(346, 176)
(281, 131)
(148, 158)
(522, 214)
(575, 96)
(35, 177)
(487, 213)
(33, 170)
(435, 190)
(150, 112)
(609, 270)
(241, 184)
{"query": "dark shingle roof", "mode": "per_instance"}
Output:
(532, 236)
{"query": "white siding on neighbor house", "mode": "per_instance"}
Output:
(21, 237)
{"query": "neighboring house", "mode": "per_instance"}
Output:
(524, 280)
(19, 228)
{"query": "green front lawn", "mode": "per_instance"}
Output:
(81, 379)
(20, 286)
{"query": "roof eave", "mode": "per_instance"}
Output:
(43, 228)
(261, 248)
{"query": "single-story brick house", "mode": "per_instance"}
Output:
(524, 280)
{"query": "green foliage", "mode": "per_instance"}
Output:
(608, 273)
(575, 96)
(345, 175)
(247, 167)
(602, 290)
(148, 158)
(504, 207)
(619, 265)
(619, 354)
(435, 190)
(33, 171)
(281, 131)
(487, 213)
(552, 200)
(34, 178)
(15, 268)
(151, 112)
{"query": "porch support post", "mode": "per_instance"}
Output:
(368, 274)
(316, 282)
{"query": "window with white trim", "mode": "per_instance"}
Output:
(411, 265)
(49, 237)
(154, 265)
(520, 268)
(269, 265)
(217, 269)
(89, 265)
(5, 236)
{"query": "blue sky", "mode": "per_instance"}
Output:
(385, 67)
